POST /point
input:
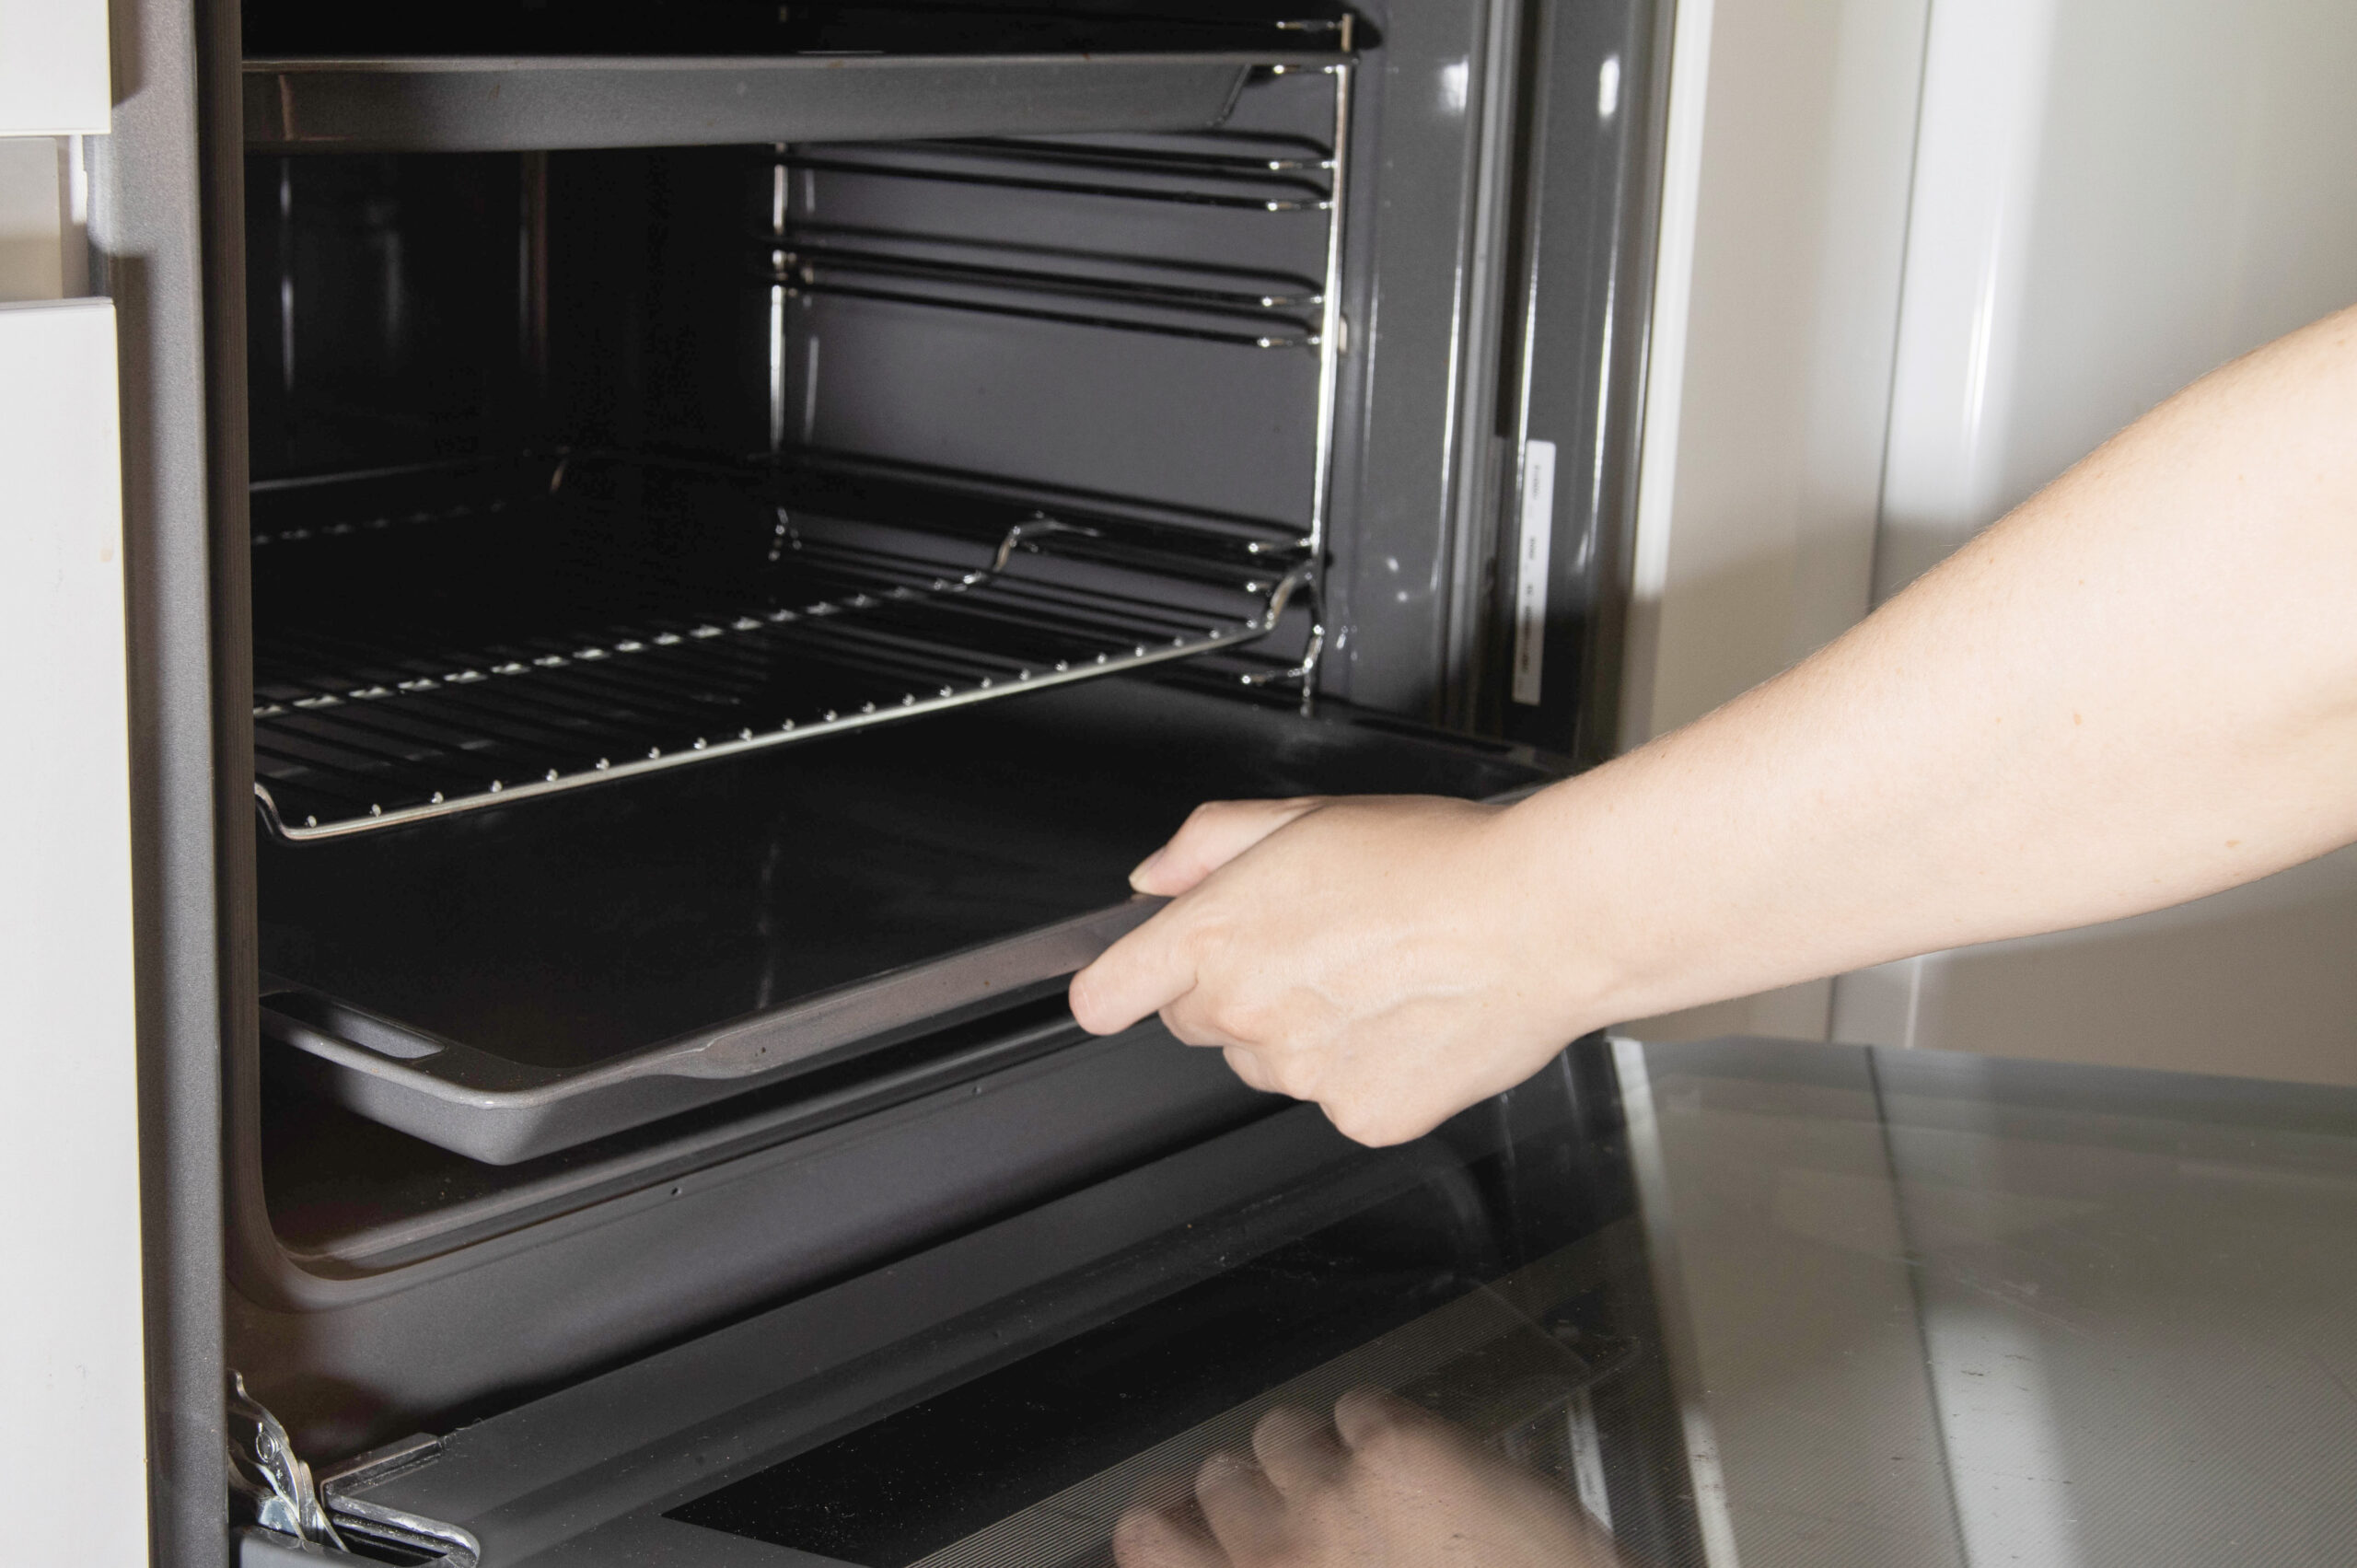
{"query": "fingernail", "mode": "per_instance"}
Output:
(1137, 876)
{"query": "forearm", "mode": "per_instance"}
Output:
(2140, 688)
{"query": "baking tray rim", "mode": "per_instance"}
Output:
(502, 1111)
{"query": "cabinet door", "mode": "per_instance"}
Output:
(73, 1460)
(53, 79)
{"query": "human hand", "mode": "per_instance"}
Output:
(1386, 956)
(1386, 1485)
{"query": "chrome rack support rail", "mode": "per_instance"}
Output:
(1332, 345)
(1146, 159)
(799, 268)
(1239, 307)
(1303, 195)
(1261, 317)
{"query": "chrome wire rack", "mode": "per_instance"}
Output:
(575, 644)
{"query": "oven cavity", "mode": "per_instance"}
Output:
(573, 466)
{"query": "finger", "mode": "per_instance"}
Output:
(1165, 1538)
(1216, 833)
(1246, 1516)
(1142, 973)
(1366, 1415)
(1247, 1065)
(1299, 1452)
(1193, 1019)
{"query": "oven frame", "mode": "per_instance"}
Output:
(1425, 490)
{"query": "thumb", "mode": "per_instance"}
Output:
(1216, 832)
(1141, 974)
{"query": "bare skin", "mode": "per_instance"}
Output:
(2139, 687)
(1385, 1486)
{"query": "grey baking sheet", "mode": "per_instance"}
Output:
(526, 978)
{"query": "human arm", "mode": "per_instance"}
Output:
(2138, 688)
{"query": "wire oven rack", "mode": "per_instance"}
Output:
(513, 633)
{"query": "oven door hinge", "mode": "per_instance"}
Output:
(279, 1494)
(266, 1475)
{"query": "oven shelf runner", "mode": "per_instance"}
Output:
(569, 645)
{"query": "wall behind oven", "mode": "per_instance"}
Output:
(1790, 156)
(2112, 198)
(1920, 256)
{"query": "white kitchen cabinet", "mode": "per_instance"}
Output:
(73, 1459)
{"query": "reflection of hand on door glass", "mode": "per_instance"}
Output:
(1386, 1485)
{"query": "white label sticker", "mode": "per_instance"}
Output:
(1537, 531)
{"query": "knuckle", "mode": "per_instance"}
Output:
(1275, 1072)
(1370, 1119)
(1224, 1018)
(1187, 1025)
(1138, 1536)
(1198, 935)
(1388, 1444)
(1223, 1470)
(1208, 815)
(1286, 1423)
(1249, 1016)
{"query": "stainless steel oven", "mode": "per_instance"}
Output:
(731, 528)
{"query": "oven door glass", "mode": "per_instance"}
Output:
(1013, 1397)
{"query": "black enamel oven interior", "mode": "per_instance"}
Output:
(565, 463)
(688, 580)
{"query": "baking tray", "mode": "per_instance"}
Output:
(528, 978)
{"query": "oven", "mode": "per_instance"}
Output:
(733, 528)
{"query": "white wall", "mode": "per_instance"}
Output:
(1920, 256)
(2113, 197)
(1792, 143)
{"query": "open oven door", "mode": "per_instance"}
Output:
(1004, 1398)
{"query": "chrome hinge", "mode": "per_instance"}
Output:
(265, 1473)
(278, 1488)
